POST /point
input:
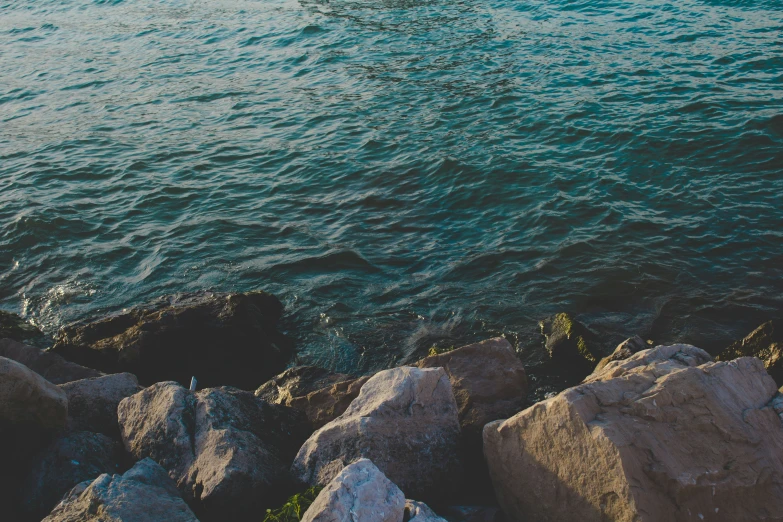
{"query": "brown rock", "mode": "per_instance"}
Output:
(325, 405)
(623, 351)
(227, 450)
(663, 435)
(92, 403)
(48, 365)
(766, 343)
(222, 339)
(297, 382)
(29, 400)
(405, 421)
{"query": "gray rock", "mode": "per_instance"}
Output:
(227, 450)
(360, 492)
(405, 420)
(92, 403)
(623, 351)
(420, 512)
(222, 339)
(27, 400)
(64, 463)
(48, 365)
(143, 494)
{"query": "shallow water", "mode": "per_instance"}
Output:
(401, 173)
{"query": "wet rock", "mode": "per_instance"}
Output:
(359, 492)
(48, 365)
(92, 403)
(623, 351)
(663, 435)
(571, 346)
(64, 463)
(766, 343)
(297, 382)
(14, 327)
(144, 493)
(227, 450)
(419, 512)
(405, 420)
(222, 339)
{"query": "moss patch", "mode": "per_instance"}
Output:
(437, 351)
(294, 507)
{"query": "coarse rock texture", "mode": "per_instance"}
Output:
(92, 403)
(48, 365)
(570, 344)
(222, 339)
(64, 463)
(404, 420)
(766, 343)
(14, 327)
(297, 382)
(663, 435)
(143, 494)
(420, 512)
(360, 492)
(27, 400)
(488, 381)
(623, 351)
(324, 405)
(227, 450)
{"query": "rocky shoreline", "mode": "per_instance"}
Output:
(103, 427)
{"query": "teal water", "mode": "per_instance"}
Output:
(399, 172)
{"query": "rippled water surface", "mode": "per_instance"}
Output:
(399, 172)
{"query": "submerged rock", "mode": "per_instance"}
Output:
(64, 463)
(405, 420)
(48, 365)
(143, 494)
(14, 327)
(222, 339)
(766, 343)
(92, 403)
(360, 492)
(663, 435)
(228, 451)
(623, 351)
(570, 344)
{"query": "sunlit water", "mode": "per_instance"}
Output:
(401, 173)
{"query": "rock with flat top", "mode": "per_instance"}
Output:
(144, 493)
(221, 339)
(360, 492)
(405, 420)
(92, 403)
(227, 450)
(48, 365)
(663, 435)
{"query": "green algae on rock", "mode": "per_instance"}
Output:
(569, 344)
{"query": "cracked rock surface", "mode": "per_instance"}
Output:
(359, 492)
(404, 420)
(663, 435)
(227, 450)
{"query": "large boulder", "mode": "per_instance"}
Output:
(64, 463)
(14, 327)
(359, 492)
(766, 343)
(27, 400)
(227, 450)
(143, 494)
(623, 351)
(571, 346)
(222, 339)
(52, 367)
(405, 420)
(664, 435)
(92, 403)
(321, 395)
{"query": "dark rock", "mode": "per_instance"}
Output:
(766, 343)
(221, 339)
(64, 463)
(143, 494)
(571, 346)
(48, 365)
(28, 401)
(228, 451)
(14, 327)
(473, 514)
(92, 403)
(297, 382)
(623, 351)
